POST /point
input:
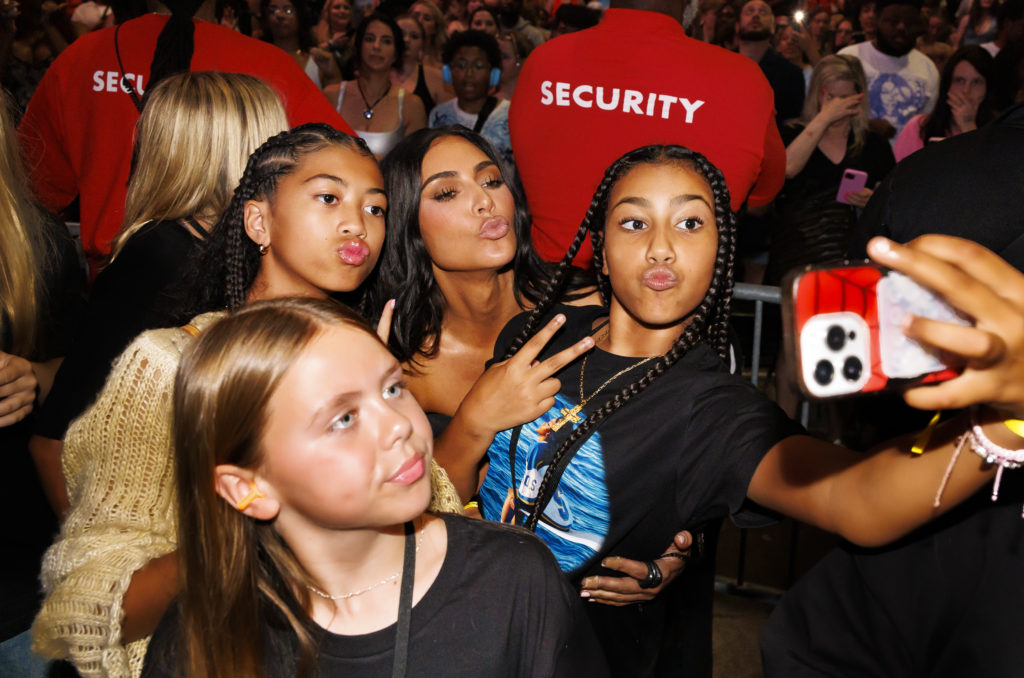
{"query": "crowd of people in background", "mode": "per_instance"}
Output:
(340, 269)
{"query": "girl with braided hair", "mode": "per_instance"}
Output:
(306, 220)
(648, 433)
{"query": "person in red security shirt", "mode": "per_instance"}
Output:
(79, 128)
(584, 99)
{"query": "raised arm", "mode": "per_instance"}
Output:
(875, 498)
(800, 149)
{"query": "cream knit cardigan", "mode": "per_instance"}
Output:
(118, 466)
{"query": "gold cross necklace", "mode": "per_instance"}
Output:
(573, 414)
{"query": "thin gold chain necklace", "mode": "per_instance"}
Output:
(367, 589)
(573, 414)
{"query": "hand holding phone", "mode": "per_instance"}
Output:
(853, 182)
(844, 329)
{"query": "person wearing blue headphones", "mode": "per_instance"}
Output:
(472, 65)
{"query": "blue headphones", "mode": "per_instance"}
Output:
(495, 78)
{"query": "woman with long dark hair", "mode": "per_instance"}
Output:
(380, 113)
(964, 103)
(979, 25)
(458, 261)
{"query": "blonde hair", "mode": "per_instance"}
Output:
(22, 244)
(838, 68)
(194, 138)
(237, 570)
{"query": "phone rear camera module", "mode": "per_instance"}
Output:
(836, 337)
(824, 372)
(852, 368)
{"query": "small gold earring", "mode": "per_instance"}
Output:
(263, 249)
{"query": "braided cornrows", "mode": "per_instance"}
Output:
(553, 290)
(708, 322)
(230, 260)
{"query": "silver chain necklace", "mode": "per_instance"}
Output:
(353, 594)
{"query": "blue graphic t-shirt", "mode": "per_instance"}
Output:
(575, 521)
(678, 454)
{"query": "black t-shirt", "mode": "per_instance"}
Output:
(499, 607)
(125, 301)
(680, 453)
(787, 81)
(969, 186)
(822, 176)
(943, 602)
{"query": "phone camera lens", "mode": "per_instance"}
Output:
(852, 368)
(823, 372)
(836, 337)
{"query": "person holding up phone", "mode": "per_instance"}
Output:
(830, 139)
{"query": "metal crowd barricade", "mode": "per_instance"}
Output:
(763, 297)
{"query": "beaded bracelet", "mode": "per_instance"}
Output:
(982, 446)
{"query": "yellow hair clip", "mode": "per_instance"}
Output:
(253, 495)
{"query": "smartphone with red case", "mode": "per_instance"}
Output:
(843, 330)
(853, 181)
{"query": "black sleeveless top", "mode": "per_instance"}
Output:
(422, 91)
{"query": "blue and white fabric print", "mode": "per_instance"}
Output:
(897, 99)
(575, 521)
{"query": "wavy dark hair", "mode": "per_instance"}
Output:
(405, 272)
(708, 323)
(940, 120)
(220, 276)
(396, 34)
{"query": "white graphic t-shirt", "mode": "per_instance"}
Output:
(898, 87)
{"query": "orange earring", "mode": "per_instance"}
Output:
(253, 495)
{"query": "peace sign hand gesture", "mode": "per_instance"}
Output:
(506, 395)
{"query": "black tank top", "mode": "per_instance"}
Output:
(422, 91)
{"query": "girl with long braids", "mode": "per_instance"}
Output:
(648, 433)
(302, 460)
(307, 219)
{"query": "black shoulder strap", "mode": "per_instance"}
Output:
(398, 669)
(481, 118)
(125, 82)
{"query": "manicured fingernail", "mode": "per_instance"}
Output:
(881, 247)
(559, 319)
(391, 303)
(587, 342)
(584, 594)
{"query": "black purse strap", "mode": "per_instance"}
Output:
(405, 604)
(485, 112)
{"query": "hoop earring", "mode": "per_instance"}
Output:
(263, 249)
(248, 499)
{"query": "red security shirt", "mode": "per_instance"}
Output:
(584, 99)
(79, 128)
